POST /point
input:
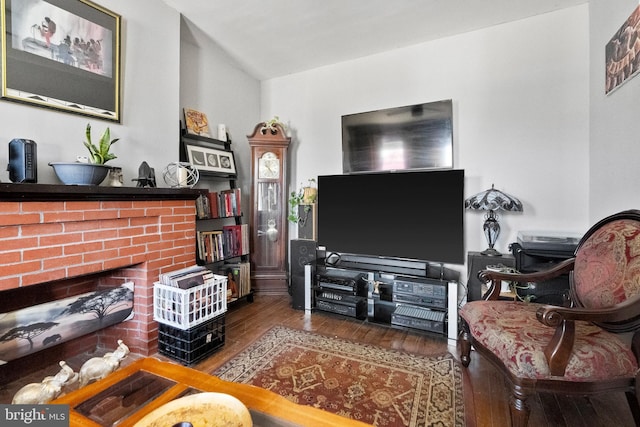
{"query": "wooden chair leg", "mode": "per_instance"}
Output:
(634, 405)
(519, 408)
(465, 344)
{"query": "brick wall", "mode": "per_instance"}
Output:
(60, 248)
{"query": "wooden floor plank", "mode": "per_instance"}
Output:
(484, 385)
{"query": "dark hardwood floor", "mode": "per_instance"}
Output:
(245, 322)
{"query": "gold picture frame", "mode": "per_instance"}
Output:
(76, 70)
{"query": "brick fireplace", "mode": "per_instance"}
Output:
(59, 241)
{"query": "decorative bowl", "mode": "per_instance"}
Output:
(76, 173)
(200, 409)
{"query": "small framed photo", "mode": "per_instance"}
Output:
(215, 160)
(63, 55)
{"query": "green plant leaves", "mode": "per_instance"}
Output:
(100, 154)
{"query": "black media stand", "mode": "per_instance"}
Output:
(394, 292)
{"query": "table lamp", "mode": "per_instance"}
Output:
(492, 200)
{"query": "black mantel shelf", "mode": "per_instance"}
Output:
(51, 192)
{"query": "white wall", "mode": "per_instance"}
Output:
(212, 82)
(521, 118)
(615, 145)
(150, 101)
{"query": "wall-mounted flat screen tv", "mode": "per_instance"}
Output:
(403, 138)
(411, 215)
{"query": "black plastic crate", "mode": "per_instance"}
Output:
(192, 345)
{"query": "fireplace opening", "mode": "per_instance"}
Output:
(101, 296)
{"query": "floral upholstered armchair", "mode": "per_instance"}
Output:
(591, 347)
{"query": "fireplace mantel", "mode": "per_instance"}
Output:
(50, 192)
(63, 240)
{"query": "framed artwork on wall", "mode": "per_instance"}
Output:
(211, 159)
(622, 53)
(63, 55)
(196, 122)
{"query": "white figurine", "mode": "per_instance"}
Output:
(47, 390)
(97, 368)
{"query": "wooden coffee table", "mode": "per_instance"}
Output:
(128, 394)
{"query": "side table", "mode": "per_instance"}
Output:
(477, 262)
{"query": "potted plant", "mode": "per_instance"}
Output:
(271, 126)
(100, 154)
(305, 196)
(92, 172)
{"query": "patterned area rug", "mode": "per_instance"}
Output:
(363, 382)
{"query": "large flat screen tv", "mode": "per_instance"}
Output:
(414, 215)
(411, 137)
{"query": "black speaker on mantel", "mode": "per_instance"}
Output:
(303, 252)
(23, 161)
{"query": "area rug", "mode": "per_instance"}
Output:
(363, 382)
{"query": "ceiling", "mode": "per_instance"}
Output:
(272, 38)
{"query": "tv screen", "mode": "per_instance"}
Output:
(411, 215)
(402, 138)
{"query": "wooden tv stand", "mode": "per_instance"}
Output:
(128, 394)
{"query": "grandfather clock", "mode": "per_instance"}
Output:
(269, 146)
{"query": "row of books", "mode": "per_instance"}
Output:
(219, 204)
(218, 245)
(186, 278)
(238, 279)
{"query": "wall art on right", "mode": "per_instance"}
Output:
(622, 53)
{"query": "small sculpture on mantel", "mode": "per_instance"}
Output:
(97, 368)
(47, 390)
(146, 176)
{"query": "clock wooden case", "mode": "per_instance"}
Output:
(269, 237)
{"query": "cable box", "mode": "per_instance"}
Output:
(419, 318)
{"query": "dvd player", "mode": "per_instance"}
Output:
(425, 292)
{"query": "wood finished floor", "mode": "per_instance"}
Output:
(245, 322)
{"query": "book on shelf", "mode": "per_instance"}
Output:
(213, 204)
(229, 242)
(238, 279)
(225, 203)
(196, 122)
(236, 237)
(210, 245)
(203, 207)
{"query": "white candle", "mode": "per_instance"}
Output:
(222, 132)
(182, 174)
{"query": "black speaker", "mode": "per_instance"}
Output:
(23, 161)
(303, 252)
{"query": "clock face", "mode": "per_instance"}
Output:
(268, 166)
